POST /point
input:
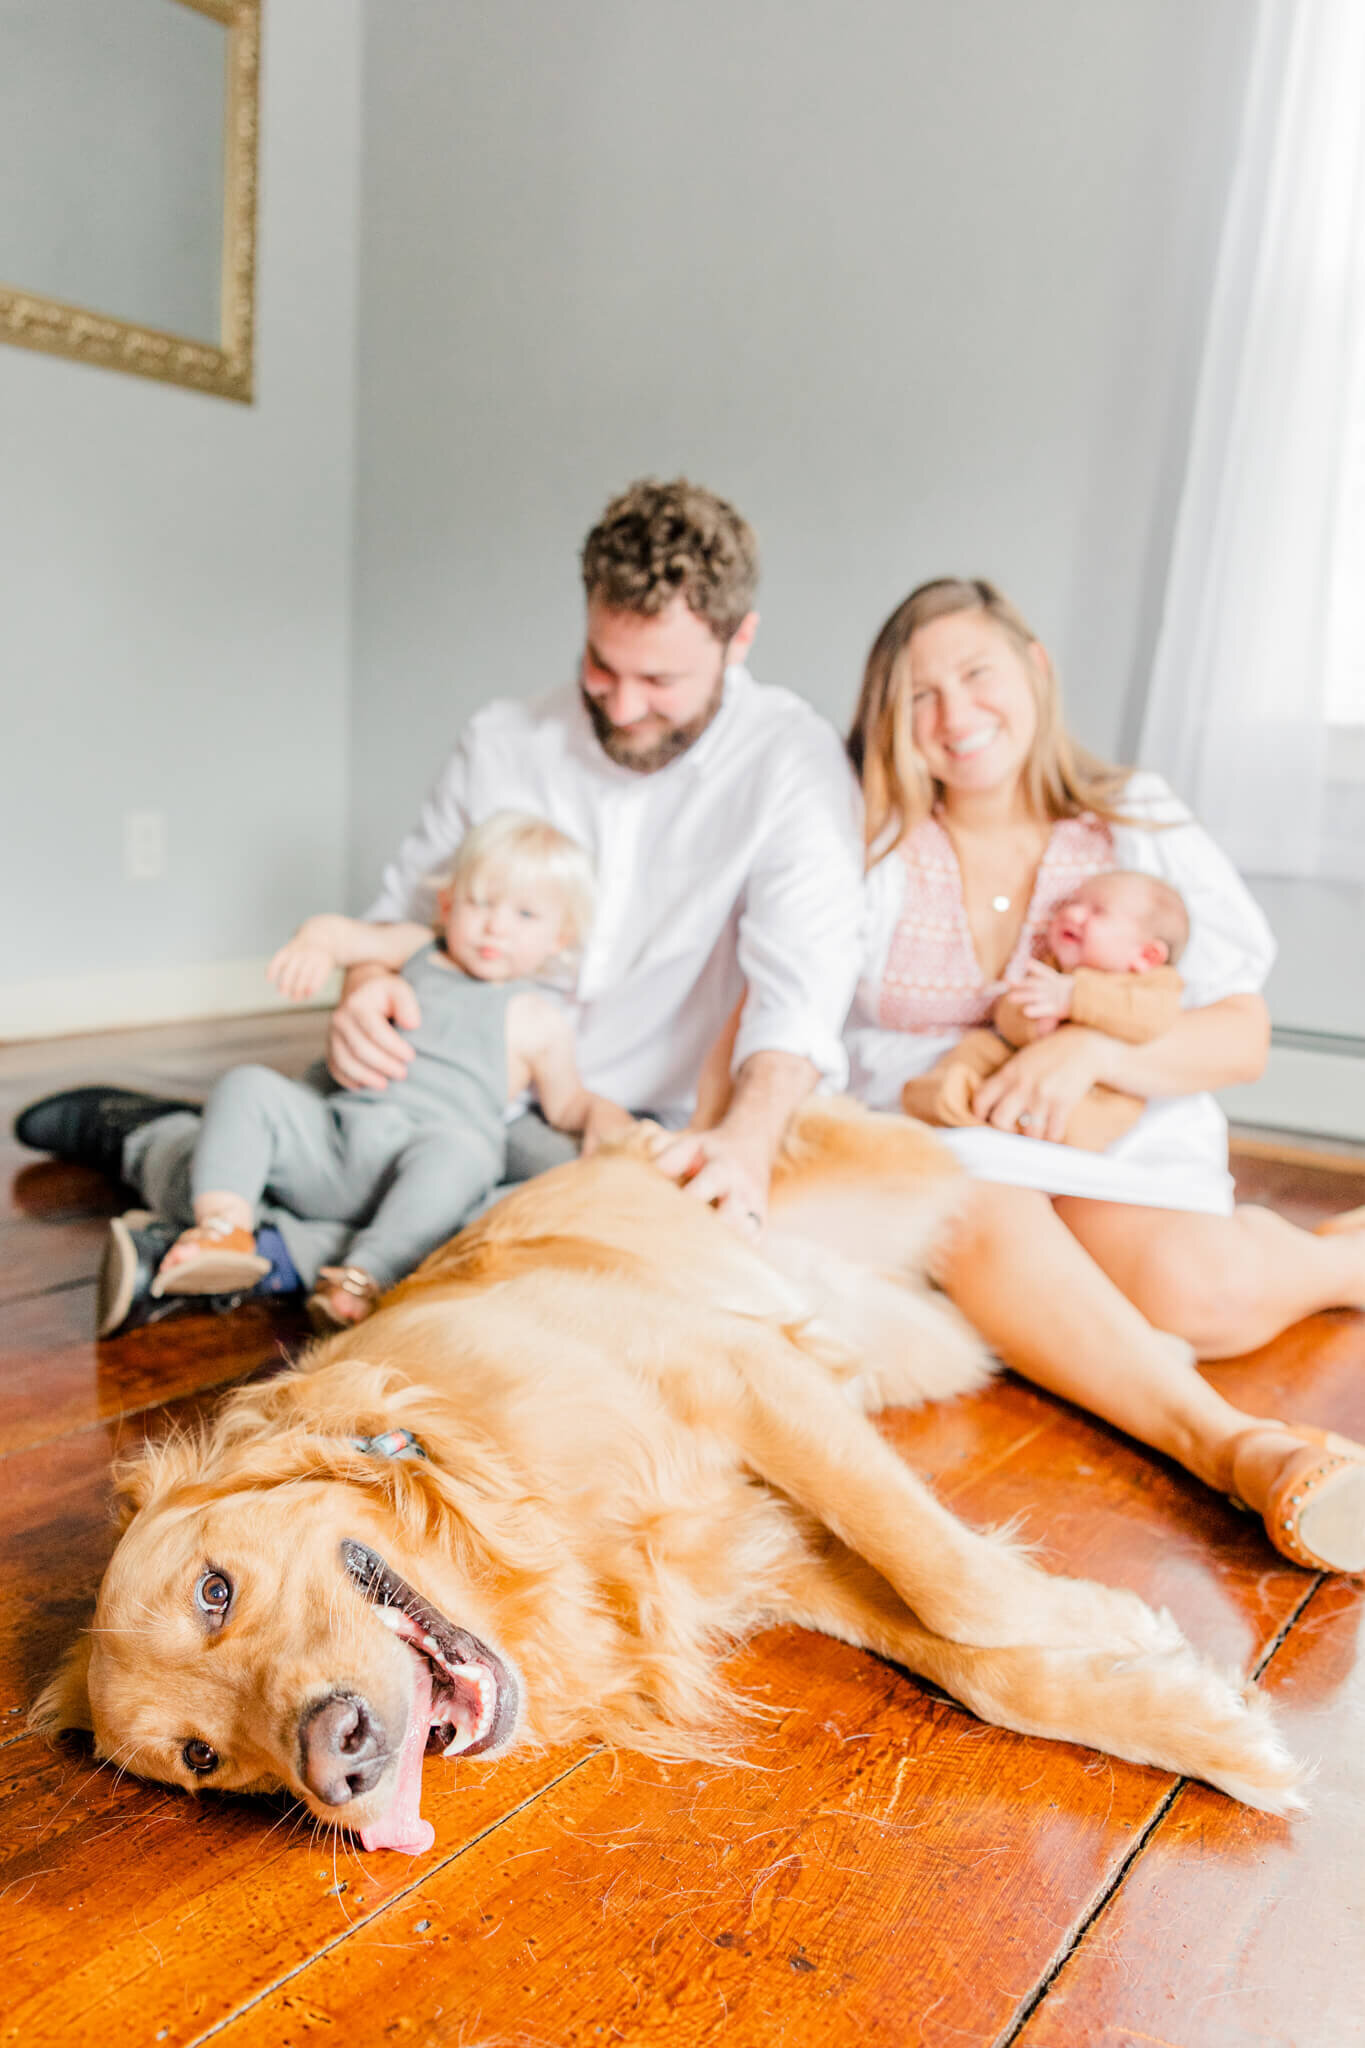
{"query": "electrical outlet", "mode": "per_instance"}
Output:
(144, 845)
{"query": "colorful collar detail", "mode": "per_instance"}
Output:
(394, 1443)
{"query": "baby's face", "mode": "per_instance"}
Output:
(1104, 924)
(498, 930)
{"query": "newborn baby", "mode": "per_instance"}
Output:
(1112, 947)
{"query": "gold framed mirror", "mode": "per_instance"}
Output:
(129, 128)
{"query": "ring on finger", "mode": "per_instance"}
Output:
(1023, 1120)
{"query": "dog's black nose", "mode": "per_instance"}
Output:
(342, 1748)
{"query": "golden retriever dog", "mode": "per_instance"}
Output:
(625, 1438)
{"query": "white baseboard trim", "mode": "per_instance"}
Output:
(148, 995)
(1318, 1092)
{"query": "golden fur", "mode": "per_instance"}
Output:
(644, 1438)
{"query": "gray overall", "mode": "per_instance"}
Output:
(398, 1169)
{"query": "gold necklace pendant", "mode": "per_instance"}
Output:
(1022, 851)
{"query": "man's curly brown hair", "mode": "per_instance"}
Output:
(659, 541)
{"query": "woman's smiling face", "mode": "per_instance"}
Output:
(973, 704)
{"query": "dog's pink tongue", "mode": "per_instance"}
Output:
(402, 1826)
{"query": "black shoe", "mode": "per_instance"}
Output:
(89, 1125)
(133, 1251)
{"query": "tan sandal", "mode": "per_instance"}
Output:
(223, 1260)
(348, 1280)
(1315, 1510)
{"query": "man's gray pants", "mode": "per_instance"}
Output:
(158, 1161)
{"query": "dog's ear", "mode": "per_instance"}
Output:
(64, 1701)
(154, 1469)
(134, 1482)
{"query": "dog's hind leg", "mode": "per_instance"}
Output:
(793, 1429)
(1165, 1708)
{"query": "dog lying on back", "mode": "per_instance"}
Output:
(520, 1504)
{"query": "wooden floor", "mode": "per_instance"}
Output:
(884, 1870)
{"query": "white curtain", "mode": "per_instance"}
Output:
(1268, 560)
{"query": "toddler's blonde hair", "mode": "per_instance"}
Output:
(514, 847)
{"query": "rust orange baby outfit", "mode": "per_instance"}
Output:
(1133, 1007)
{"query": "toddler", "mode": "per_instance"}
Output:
(1112, 947)
(407, 1163)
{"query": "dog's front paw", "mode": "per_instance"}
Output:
(1250, 1762)
(1191, 1717)
(1108, 1618)
(1028, 1606)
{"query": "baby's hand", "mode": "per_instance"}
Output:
(1042, 993)
(300, 968)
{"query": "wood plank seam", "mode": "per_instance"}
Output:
(1120, 1873)
(1087, 1920)
(41, 1293)
(394, 1899)
(1278, 1639)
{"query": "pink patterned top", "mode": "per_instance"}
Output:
(933, 979)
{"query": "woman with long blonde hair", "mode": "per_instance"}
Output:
(1101, 1275)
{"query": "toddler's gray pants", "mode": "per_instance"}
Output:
(344, 1182)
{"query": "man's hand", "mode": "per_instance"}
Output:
(1036, 1091)
(730, 1166)
(729, 1172)
(364, 1049)
(1043, 994)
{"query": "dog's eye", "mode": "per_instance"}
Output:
(199, 1757)
(213, 1594)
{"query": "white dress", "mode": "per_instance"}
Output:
(1176, 1155)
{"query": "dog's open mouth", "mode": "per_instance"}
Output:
(464, 1697)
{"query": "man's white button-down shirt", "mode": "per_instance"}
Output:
(739, 864)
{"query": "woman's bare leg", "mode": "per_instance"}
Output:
(1224, 1283)
(1021, 1276)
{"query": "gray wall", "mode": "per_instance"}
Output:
(920, 285)
(176, 575)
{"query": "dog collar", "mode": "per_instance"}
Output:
(393, 1443)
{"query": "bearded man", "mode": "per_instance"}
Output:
(722, 818)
